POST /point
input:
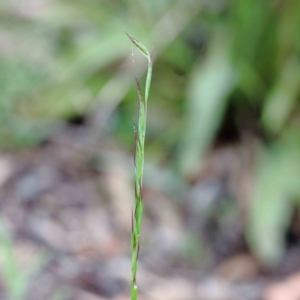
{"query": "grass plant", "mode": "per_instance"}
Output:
(139, 137)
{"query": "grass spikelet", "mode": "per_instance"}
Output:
(139, 137)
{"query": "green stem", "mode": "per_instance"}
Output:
(139, 136)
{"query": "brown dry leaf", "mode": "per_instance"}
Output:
(177, 289)
(121, 194)
(6, 169)
(239, 267)
(83, 295)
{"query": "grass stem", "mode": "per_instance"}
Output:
(139, 137)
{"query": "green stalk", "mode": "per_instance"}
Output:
(139, 136)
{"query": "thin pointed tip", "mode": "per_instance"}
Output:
(152, 56)
(129, 36)
(138, 85)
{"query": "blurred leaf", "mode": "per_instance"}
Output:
(276, 188)
(17, 280)
(12, 274)
(282, 98)
(210, 83)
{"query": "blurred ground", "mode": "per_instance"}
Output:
(221, 186)
(66, 206)
(68, 203)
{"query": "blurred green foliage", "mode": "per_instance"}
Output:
(63, 58)
(16, 279)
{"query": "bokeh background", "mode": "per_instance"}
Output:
(221, 186)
